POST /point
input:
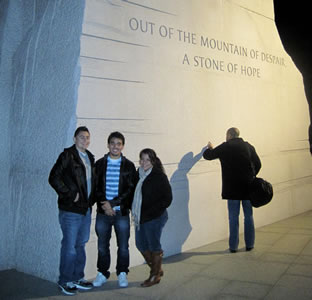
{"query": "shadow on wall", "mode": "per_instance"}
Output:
(178, 227)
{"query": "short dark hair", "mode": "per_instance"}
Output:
(117, 135)
(81, 128)
(233, 132)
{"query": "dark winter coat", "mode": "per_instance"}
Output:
(125, 188)
(156, 195)
(68, 177)
(239, 163)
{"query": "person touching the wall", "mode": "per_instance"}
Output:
(239, 163)
(114, 194)
(72, 177)
(152, 197)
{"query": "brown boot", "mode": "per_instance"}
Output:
(148, 258)
(155, 270)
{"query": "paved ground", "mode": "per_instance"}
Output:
(280, 267)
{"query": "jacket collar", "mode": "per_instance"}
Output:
(234, 140)
(74, 151)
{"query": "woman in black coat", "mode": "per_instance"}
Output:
(152, 197)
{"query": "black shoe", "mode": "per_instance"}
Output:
(233, 251)
(83, 284)
(68, 288)
(249, 248)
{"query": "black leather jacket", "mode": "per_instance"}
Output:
(125, 189)
(68, 177)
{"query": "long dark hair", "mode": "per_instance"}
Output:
(155, 161)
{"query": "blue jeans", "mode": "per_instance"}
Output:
(76, 232)
(249, 228)
(103, 229)
(147, 237)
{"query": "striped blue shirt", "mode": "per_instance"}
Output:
(112, 179)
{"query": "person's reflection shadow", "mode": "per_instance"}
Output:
(178, 226)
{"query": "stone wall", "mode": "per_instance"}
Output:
(40, 72)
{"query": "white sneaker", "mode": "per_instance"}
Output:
(99, 280)
(122, 280)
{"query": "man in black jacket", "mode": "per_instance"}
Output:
(115, 182)
(240, 164)
(72, 177)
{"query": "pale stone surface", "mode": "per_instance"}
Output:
(152, 70)
(40, 73)
(259, 274)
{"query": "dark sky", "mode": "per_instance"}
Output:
(293, 21)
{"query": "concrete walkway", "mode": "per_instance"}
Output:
(280, 267)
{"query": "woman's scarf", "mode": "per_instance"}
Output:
(137, 200)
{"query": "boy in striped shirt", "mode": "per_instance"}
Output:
(114, 194)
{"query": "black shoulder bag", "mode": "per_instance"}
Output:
(260, 190)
